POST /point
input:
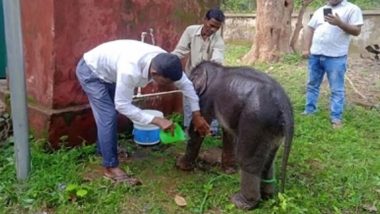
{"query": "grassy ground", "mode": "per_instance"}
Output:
(329, 171)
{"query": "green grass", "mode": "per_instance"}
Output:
(329, 171)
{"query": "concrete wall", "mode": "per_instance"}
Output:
(241, 28)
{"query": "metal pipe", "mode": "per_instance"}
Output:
(139, 95)
(152, 36)
(16, 74)
(143, 34)
(156, 94)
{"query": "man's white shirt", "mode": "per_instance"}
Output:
(330, 40)
(126, 63)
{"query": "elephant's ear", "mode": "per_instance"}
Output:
(199, 78)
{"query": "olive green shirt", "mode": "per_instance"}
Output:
(192, 43)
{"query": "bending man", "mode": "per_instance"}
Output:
(109, 74)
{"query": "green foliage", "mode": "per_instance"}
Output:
(211, 142)
(249, 6)
(329, 171)
(236, 52)
(74, 192)
(363, 4)
(176, 118)
(238, 6)
(292, 58)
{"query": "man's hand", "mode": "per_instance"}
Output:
(305, 54)
(309, 32)
(334, 20)
(164, 124)
(200, 124)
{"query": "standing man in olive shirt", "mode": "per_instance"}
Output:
(200, 43)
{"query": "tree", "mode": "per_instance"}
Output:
(273, 30)
(299, 24)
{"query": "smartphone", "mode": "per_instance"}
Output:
(327, 11)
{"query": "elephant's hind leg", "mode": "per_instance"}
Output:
(268, 178)
(253, 150)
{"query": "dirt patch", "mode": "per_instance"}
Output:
(363, 82)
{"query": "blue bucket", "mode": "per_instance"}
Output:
(146, 137)
(147, 134)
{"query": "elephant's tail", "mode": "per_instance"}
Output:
(288, 120)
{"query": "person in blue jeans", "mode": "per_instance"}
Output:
(327, 39)
(110, 72)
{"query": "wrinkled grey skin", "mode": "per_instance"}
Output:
(255, 114)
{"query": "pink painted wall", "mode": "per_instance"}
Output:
(57, 33)
(81, 25)
(37, 25)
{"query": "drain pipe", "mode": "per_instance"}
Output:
(16, 74)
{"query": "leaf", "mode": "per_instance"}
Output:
(28, 200)
(64, 138)
(230, 206)
(207, 187)
(81, 193)
(370, 208)
(180, 201)
(71, 187)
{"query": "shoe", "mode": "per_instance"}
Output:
(337, 124)
(119, 176)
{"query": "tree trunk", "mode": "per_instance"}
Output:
(299, 25)
(273, 29)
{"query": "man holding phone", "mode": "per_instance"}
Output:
(327, 39)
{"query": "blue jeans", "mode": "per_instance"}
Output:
(101, 97)
(335, 69)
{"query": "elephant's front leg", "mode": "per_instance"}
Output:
(229, 164)
(249, 195)
(187, 162)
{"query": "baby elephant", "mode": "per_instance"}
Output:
(255, 114)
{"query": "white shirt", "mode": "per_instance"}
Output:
(192, 42)
(126, 63)
(330, 40)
